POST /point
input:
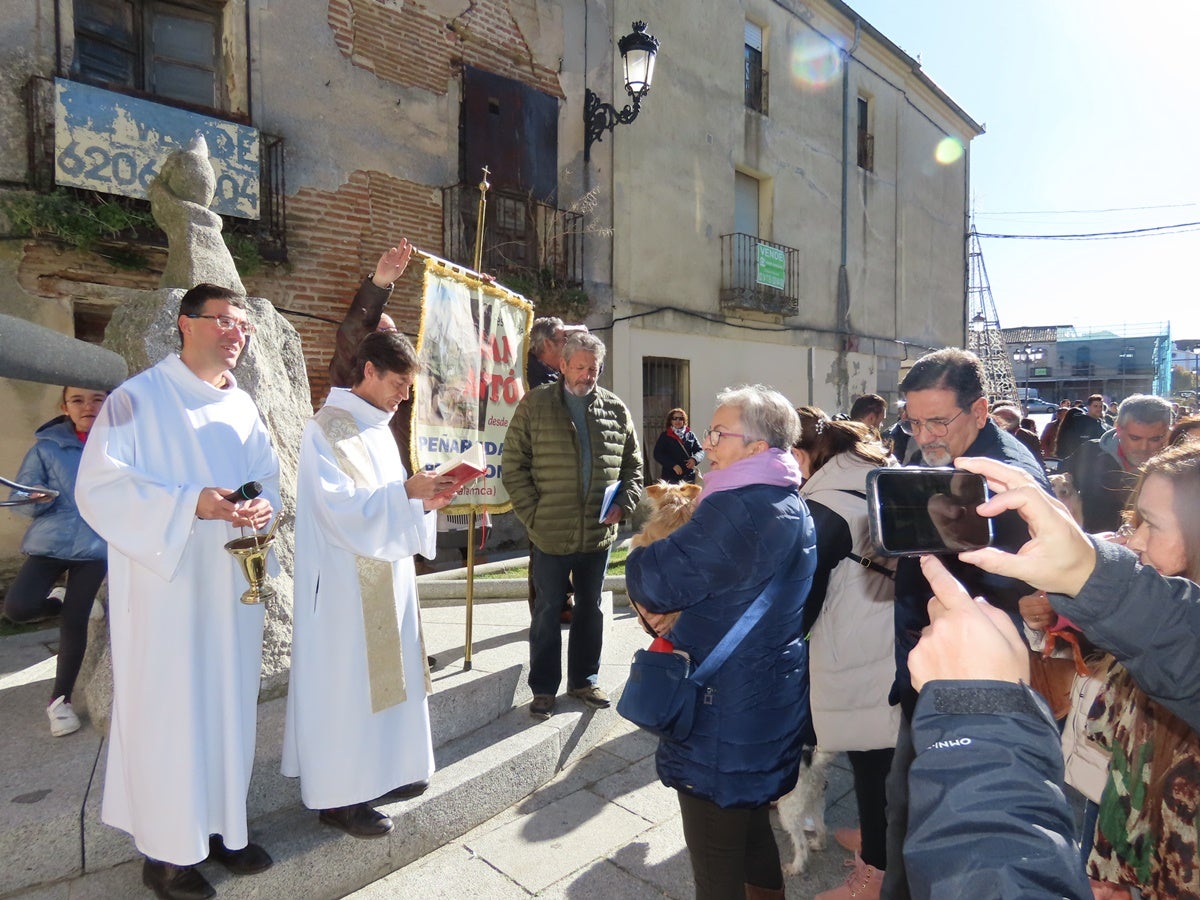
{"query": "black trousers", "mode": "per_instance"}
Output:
(871, 769)
(26, 601)
(895, 879)
(729, 848)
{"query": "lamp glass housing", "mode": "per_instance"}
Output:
(638, 51)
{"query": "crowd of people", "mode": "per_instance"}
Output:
(957, 760)
(905, 683)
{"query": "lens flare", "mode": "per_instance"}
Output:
(815, 61)
(948, 151)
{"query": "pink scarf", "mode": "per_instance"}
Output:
(772, 466)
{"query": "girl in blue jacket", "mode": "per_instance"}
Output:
(57, 542)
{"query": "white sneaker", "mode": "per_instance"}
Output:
(58, 593)
(62, 718)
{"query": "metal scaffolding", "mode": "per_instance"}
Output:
(984, 337)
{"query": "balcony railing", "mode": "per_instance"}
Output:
(522, 237)
(742, 284)
(269, 230)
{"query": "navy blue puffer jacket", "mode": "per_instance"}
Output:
(58, 530)
(744, 750)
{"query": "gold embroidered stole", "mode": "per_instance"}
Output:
(385, 660)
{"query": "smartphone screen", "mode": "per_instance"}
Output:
(917, 510)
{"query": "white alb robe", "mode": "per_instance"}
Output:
(342, 751)
(186, 652)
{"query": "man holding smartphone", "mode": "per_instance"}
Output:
(947, 417)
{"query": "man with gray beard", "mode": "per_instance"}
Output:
(568, 443)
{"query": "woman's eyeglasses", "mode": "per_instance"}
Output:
(713, 437)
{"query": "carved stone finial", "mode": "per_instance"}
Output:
(179, 199)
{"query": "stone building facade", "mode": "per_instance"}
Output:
(770, 122)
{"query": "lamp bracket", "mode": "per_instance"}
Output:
(600, 117)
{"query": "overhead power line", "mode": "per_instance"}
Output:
(1179, 228)
(1073, 212)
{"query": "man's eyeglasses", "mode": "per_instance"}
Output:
(713, 437)
(934, 427)
(227, 323)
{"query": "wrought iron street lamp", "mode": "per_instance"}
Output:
(638, 51)
(1028, 355)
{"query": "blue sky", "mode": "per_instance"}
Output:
(1090, 110)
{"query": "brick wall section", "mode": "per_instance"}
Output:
(334, 240)
(417, 49)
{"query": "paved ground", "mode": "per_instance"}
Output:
(605, 827)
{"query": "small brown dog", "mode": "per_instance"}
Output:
(673, 506)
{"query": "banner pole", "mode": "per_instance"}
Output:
(479, 226)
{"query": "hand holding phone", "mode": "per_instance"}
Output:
(914, 510)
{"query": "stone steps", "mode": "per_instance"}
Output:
(489, 753)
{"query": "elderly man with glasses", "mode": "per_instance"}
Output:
(947, 417)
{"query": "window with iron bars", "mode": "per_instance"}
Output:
(866, 140)
(755, 75)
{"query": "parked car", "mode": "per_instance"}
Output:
(1038, 405)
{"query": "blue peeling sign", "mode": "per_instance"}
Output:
(108, 142)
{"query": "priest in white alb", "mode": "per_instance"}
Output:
(358, 712)
(167, 448)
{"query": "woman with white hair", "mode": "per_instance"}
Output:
(750, 531)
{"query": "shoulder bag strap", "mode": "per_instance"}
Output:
(742, 626)
(862, 560)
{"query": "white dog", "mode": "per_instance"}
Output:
(802, 812)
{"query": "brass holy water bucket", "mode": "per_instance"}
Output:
(251, 553)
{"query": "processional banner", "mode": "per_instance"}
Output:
(472, 349)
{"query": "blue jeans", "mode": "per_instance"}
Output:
(550, 577)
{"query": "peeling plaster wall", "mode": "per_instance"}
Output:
(26, 49)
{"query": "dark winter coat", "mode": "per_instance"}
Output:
(988, 817)
(58, 530)
(745, 747)
(1149, 622)
(541, 469)
(1077, 428)
(1103, 484)
(671, 451)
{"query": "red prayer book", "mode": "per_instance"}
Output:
(467, 466)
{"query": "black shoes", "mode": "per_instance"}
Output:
(407, 791)
(360, 820)
(250, 860)
(175, 882)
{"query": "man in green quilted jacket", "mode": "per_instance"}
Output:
(570, 445)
